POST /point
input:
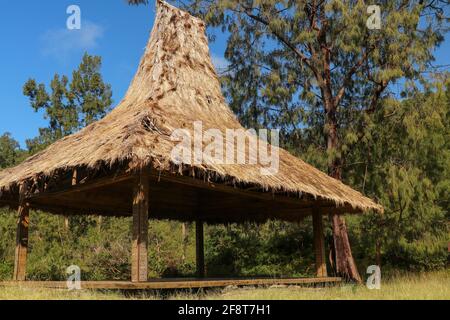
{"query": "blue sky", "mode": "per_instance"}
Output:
(37, 44)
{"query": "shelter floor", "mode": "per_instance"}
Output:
(174, 283)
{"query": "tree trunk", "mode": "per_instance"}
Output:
(184, 236)
(378, 252)
(344, 263)
(99, 222)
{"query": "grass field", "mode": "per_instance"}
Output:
(434, 285)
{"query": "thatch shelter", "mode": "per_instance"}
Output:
(122, 164)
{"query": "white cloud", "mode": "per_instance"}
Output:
(61, 43)
(220, 63)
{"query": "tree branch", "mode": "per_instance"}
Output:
(300, 55)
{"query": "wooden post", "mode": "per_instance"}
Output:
(319, 244)
(20, 259)
(200, 250)
(74, 183)
(139, 262)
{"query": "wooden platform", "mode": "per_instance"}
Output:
(178, 283)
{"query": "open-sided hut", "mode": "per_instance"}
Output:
(122, 164)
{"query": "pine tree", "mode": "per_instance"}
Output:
(293, 63)
(406, 165)
(72, 105)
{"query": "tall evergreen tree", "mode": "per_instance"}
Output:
(10, 152)
(72, 105)
(293, 62)
(406, 165)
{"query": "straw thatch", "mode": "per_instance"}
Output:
(175, 85)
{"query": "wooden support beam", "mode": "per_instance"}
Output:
(306, 201)
(200, 249)
(20, 259)
(82, 186)
(319, 244)
(199, 183)
(139, 272)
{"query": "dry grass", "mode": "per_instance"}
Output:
(426, 286)
(17, 293)
(434, 285)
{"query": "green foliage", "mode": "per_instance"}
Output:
(273, 249)
(69, 106)
(289, 61)
(101, 248)
(169, 253)
(303, 67)
(426, 253)
(405, 164)
(10, 152)
(7, 241)
(102, 252)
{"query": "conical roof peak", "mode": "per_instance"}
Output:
(177, 48)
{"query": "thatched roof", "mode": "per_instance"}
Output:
(175, 85)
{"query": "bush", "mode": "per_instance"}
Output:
(425, 254)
